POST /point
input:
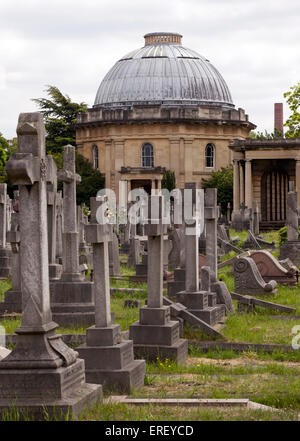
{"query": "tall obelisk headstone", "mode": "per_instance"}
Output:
(155, 335)
(109, 359)
(41, 373)
(211, 221)
(72, 301)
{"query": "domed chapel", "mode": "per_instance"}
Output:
(160, 107)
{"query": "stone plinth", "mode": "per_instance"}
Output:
(110, 361)
(72, 303)
(155, 335)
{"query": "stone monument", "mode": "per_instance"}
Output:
(72, 301)
(108, 359)
(5, 252)
(41, 374)
(155, 335)
(248, 280)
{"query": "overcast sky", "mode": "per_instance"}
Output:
(73, 43)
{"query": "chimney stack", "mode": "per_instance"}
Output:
(278, 117)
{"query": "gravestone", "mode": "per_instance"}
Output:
(210, 283)
(248, 280)
(72, 301)
(271, 269)
(256, 217)
(174, 254)
(201, 303)
(211, 218)
(5, 252)
(59, 227)
(114, 258)
(291, 248)
(251, 242)
(155, 335)
(108, 358)
(41, 374)
(55, 268)
(4, 352)
(82, 220)
(228, 213)
(13, 298)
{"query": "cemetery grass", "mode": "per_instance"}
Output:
(125, 412)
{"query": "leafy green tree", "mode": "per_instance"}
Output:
(222, 180)
(3, 149)
(266, 135)
(91, 180)
(60, 115)
(168, 180)
(293, 122)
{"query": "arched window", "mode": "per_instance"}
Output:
(95, 157)
(210, 155)
(147, 155)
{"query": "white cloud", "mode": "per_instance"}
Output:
(72, 44)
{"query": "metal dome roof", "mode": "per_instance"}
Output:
(163, 71)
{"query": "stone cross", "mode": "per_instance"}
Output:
(99, 236)
(211, 217)
(3, 214)
(155, 232)
(70, 229)
(41, 369)
(191, 248)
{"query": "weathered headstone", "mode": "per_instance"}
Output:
(291, 248)
(114, 258)
(59, 227)
(13, 298)
(41, 374)
(211, 217)
(155, 335)
(251, 242)
(108, 359)
(202, 303)
(55, 268)
(256, 217)
(174, 254)
(248, 280)
(72, 299)
(271, 269)
(5, 252)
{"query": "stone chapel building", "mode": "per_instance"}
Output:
(160, 107)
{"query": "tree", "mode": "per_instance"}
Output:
(222, 180)
(168, 180)
(293, 122)
(266, 135)
(3, 149)
(60, 115)
(91, 180)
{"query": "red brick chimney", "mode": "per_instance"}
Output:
(278, 117)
